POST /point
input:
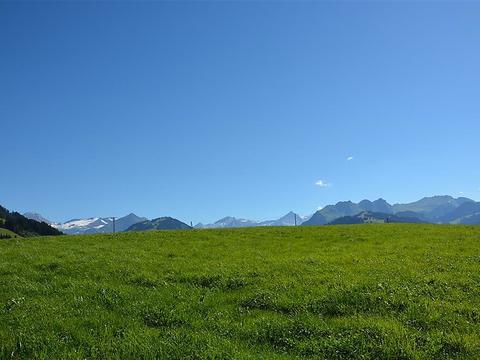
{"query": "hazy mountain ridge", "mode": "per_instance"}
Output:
(289, 219)
(434, 206)
(227, 222)
(435, 209)
(466, 213)
(233, 222)
(347, 208)
(369, 217)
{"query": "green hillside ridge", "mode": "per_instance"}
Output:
(388, 291)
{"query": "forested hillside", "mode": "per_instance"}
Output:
(22, 226)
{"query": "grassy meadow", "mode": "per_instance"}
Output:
(391, 291)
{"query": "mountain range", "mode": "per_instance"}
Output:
(289, 219)
(96, 225)
(436, 209)
(101, 225)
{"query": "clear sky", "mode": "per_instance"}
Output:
(208, 109)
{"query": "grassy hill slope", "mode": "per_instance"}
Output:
(398, 291)
(6, 232)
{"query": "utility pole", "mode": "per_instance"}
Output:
(295, 216)
(191, 224)
(113, 224)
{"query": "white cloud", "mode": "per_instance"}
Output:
(349, 158)
(323, 183)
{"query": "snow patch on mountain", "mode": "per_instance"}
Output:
(96, 225)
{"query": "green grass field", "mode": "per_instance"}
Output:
(335, 292)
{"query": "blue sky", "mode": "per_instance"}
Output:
(202, 110)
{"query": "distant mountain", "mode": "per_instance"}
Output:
(228, 222)
(341, 209)
(379, 206)
(466, 213)
(369, 217)
(123, 223)
(289, 219)
(233, 222)
(319, 218)
(434, 207)
(37, 217)
(438, 209)
(80, 226)
(96, 225)
(24, 226)
(162, 223)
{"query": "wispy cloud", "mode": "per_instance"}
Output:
(323, 183)
(350, 158)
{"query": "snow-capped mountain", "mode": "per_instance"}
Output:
(81, 226)
(228, 222)
(233, 222)
(96, 225)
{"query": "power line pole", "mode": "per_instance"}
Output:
(295, 216)
(113, 224)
